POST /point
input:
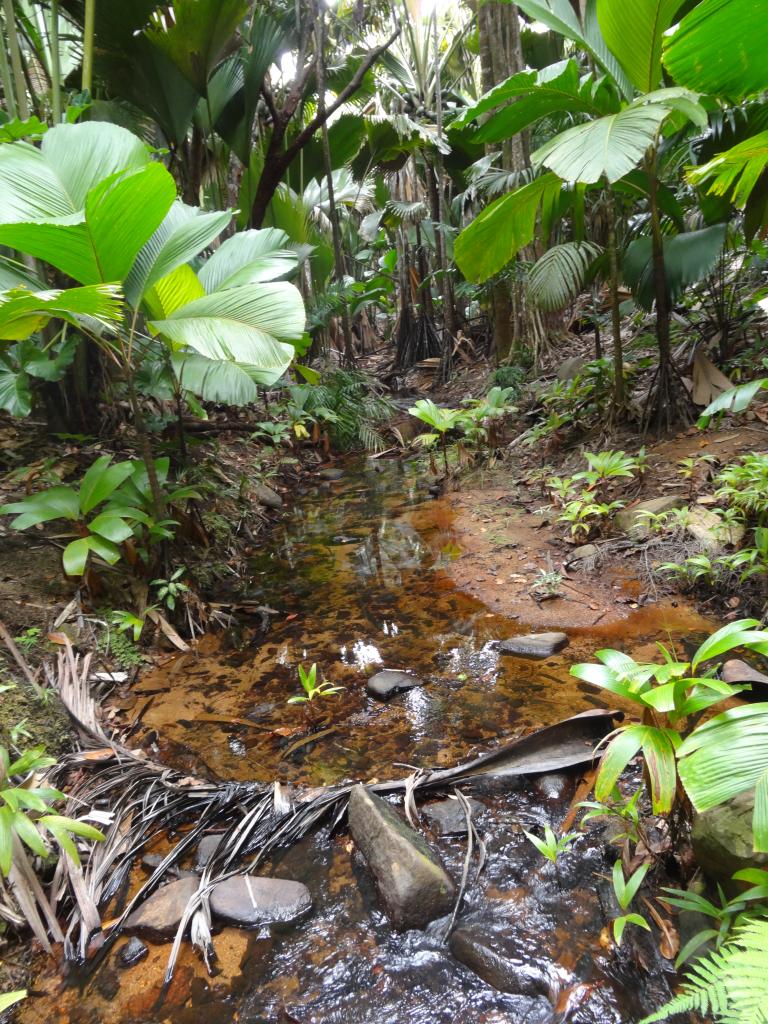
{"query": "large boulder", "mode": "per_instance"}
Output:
(632, 521)
(413, 885)
(250, 901)
(534, 645)
(389, 681)
(723, 840)
(159, 916)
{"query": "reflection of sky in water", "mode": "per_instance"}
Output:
(417, 705)
(362, 655)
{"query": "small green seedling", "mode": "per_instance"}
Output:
(551, 846)
(29, 639)
(626, 890)
(312, 688)
(168, 591)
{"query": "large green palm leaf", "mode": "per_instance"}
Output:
(559, 275)
(23, 312)
(248, 257)
(184, 233)
(100, 243)
(248, 325)
(198, 35)
(634, 33)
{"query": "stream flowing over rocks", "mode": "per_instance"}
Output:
(351, 924)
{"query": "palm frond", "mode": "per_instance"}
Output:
(560, 274)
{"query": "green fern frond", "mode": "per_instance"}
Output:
(731, 984)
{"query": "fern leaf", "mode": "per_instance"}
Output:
(560, 274)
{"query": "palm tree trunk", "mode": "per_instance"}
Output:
(448, 310)
(618, 355)
(88, 34)
(5, 74)
(22, 103)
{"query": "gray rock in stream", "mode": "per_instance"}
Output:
(159, 916)
(447, 817)
(412, 883)
(388, 682)
(206, 848)
(131, 953)
(251, 901)
(266, 496)
(534, 645)
(504, 961)
(331, 474)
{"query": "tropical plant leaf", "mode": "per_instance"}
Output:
(608, 147)
(688, 257)
(719, 47)
(172, 292)
(15, 396)
(100, 480)
(503, 228)
(634, 34)
(23, 312)
(736, 172)
(100, 243)
(249, 257)
(214, 380)
(53, 503)
(740, 633)
(734, 400)
(184, 233)
(198, 35)
(246, 325)
(560, 274)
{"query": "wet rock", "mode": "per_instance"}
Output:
(159, 916)
(735, 672)
(388, 682)
(107, 983)
(412, 883)
(132, 952)
(712, 532)
(151, 861)
(723, 841)
(331, 474)
(534, 645)
(266, 496)
(447, 817)
(250, 901)
(503, 960)
(631, 520)
(553, 786)
(206, 848)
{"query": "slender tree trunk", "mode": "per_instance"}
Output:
(22, 104)
(618, 355)
(88, 34)
(5, 74)
(660, 408)
(445, 282)
(338, 255)
(55, 63)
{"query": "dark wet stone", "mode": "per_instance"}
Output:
(331, 474)
(389, 682)
(159, 916)
(503, 961)
(251, 901)
(447, 817)
(205, 850)
(266, 496)
(107, 983)
(132, 952)
(412, 883)
(534, 645)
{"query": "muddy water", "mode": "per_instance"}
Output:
(358, 583)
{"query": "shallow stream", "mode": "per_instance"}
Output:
(355, 581)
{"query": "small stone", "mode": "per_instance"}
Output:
(712, 532)
(570, 368)
(206, 848)
(251, 901)
(266, 496)
(447, 817)
(132, 952)
(583, 553)
(331, 474)
(631, 520)
(735, 672)
(159, 916)
(412, 883)
(388, 682)
(534, 645)
(553, 786)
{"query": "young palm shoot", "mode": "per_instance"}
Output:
(625, 891)
(312, 688)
